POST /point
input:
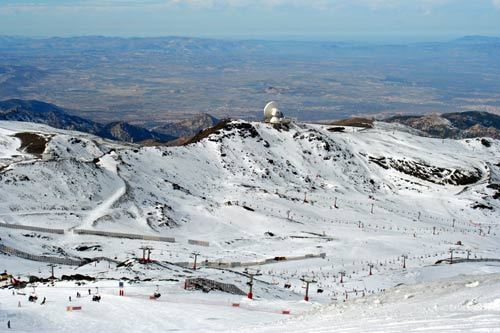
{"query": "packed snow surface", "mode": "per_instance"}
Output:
(442, 306)
(445, 305)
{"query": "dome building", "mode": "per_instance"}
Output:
(272, 114)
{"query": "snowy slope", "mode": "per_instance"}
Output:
(461, 304)
(255, 192)
(458, 304)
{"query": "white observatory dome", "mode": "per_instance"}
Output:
(275, 120)
(270, 109)
(273, 115)
(276, 113)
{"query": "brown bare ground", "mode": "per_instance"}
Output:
(355, 122)
(205, 133)
(32, 143)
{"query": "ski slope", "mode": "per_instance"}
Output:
(254, 193)
(458, 304)
(109, 163)
(461, 304)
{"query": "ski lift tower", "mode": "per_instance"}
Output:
(195, 255)
(307, 281)
(146, 254)
(250, 274)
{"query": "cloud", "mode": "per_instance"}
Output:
(424, 6)
(319, 4)
(207, 3)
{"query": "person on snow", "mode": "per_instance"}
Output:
(43, 302)
(8, 324)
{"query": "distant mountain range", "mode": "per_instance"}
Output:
(457, 125)
(187, 127)
(45, 113)
(172, 78)
(478, 39)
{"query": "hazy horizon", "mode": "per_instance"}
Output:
(246, 55)
(400, 39)
(334, 20)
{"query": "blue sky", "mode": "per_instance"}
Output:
(272, 19)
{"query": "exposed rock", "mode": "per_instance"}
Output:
(355, 122)
(32, 143)
(436, 175)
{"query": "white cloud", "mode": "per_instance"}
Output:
(374, 4)
(425, 6)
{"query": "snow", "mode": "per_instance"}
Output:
(255, 193)
(8, 144)
(108, 162)
(169, 313)
(443, 306)
(439, 306)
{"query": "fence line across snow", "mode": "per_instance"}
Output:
(124, 235)
(230, 264)
(198, 242)
(31, 228)
(104, 233)
(29, 256)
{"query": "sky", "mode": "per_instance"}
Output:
(246, 19)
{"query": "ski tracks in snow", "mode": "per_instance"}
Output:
(108, 162)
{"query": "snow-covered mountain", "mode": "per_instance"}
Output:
(455, 125)
(254, 192)
(249, 163)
